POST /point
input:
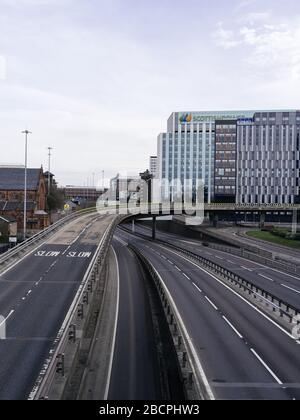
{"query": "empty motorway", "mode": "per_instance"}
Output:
(245, 355)
(283, 285)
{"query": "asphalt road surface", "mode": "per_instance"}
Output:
(35, 296)
(135, 374)
(282, 285)
(245, 355)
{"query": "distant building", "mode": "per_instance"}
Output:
(8, 227)
(153, 166)
(268, 158)
(125, 189)
(241, 156)
(225, 161)
(79, 194)
(12, 184)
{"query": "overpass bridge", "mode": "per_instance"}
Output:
(195, 213)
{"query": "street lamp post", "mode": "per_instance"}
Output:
(49, 169)
(26, 132)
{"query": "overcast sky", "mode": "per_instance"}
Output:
(98, 79)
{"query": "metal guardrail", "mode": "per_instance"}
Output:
(277, 264)
(196, 384)
(34, 240)
(277, 304)
(283, 308)
(76, 315)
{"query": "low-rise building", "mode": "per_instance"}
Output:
(12, 183)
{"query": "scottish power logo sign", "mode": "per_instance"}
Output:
(207, 117)
(185, 118)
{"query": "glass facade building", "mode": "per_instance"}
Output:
(239, 156)
(186, 152)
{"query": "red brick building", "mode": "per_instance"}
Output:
(12, 196)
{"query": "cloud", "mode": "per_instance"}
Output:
(225, 38)
(265, 45)
(2, 68)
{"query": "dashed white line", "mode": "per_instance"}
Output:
(246, 268)
(177, 268)
(267, 367)
(238, 296)
(212, 304)
(198, 288)
(291, 288)
(266, 277)
(186, 276)
(219, 258)
(232, 327)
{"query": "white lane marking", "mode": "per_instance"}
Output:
(115, 329)
(263, 266)
(186, 276)
(199, 290)
(195, 357)
(246, 268)
(8, 316)
(237, 295)
(29, 292)
(188, 242)
(169, 261)
(212, 304)
(164, 257)
(232, 327)
(291, 288)
(219, 258)
(177, 268)
(121, 241)
(230, 262)
(266, 277)
(267, 367)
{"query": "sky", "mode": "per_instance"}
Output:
(97, 79)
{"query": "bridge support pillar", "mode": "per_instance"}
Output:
(262, 220)
(295, 222)
(154, 228)
(215, 221)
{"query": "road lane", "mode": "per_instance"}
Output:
(242, 345)
(135, 371)
(41, 289)
(282, 285)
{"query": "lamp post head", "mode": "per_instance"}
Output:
(26, 132)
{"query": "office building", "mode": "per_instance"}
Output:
(268, 155)
(241, 156)
(186, 152)
(153, 166)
